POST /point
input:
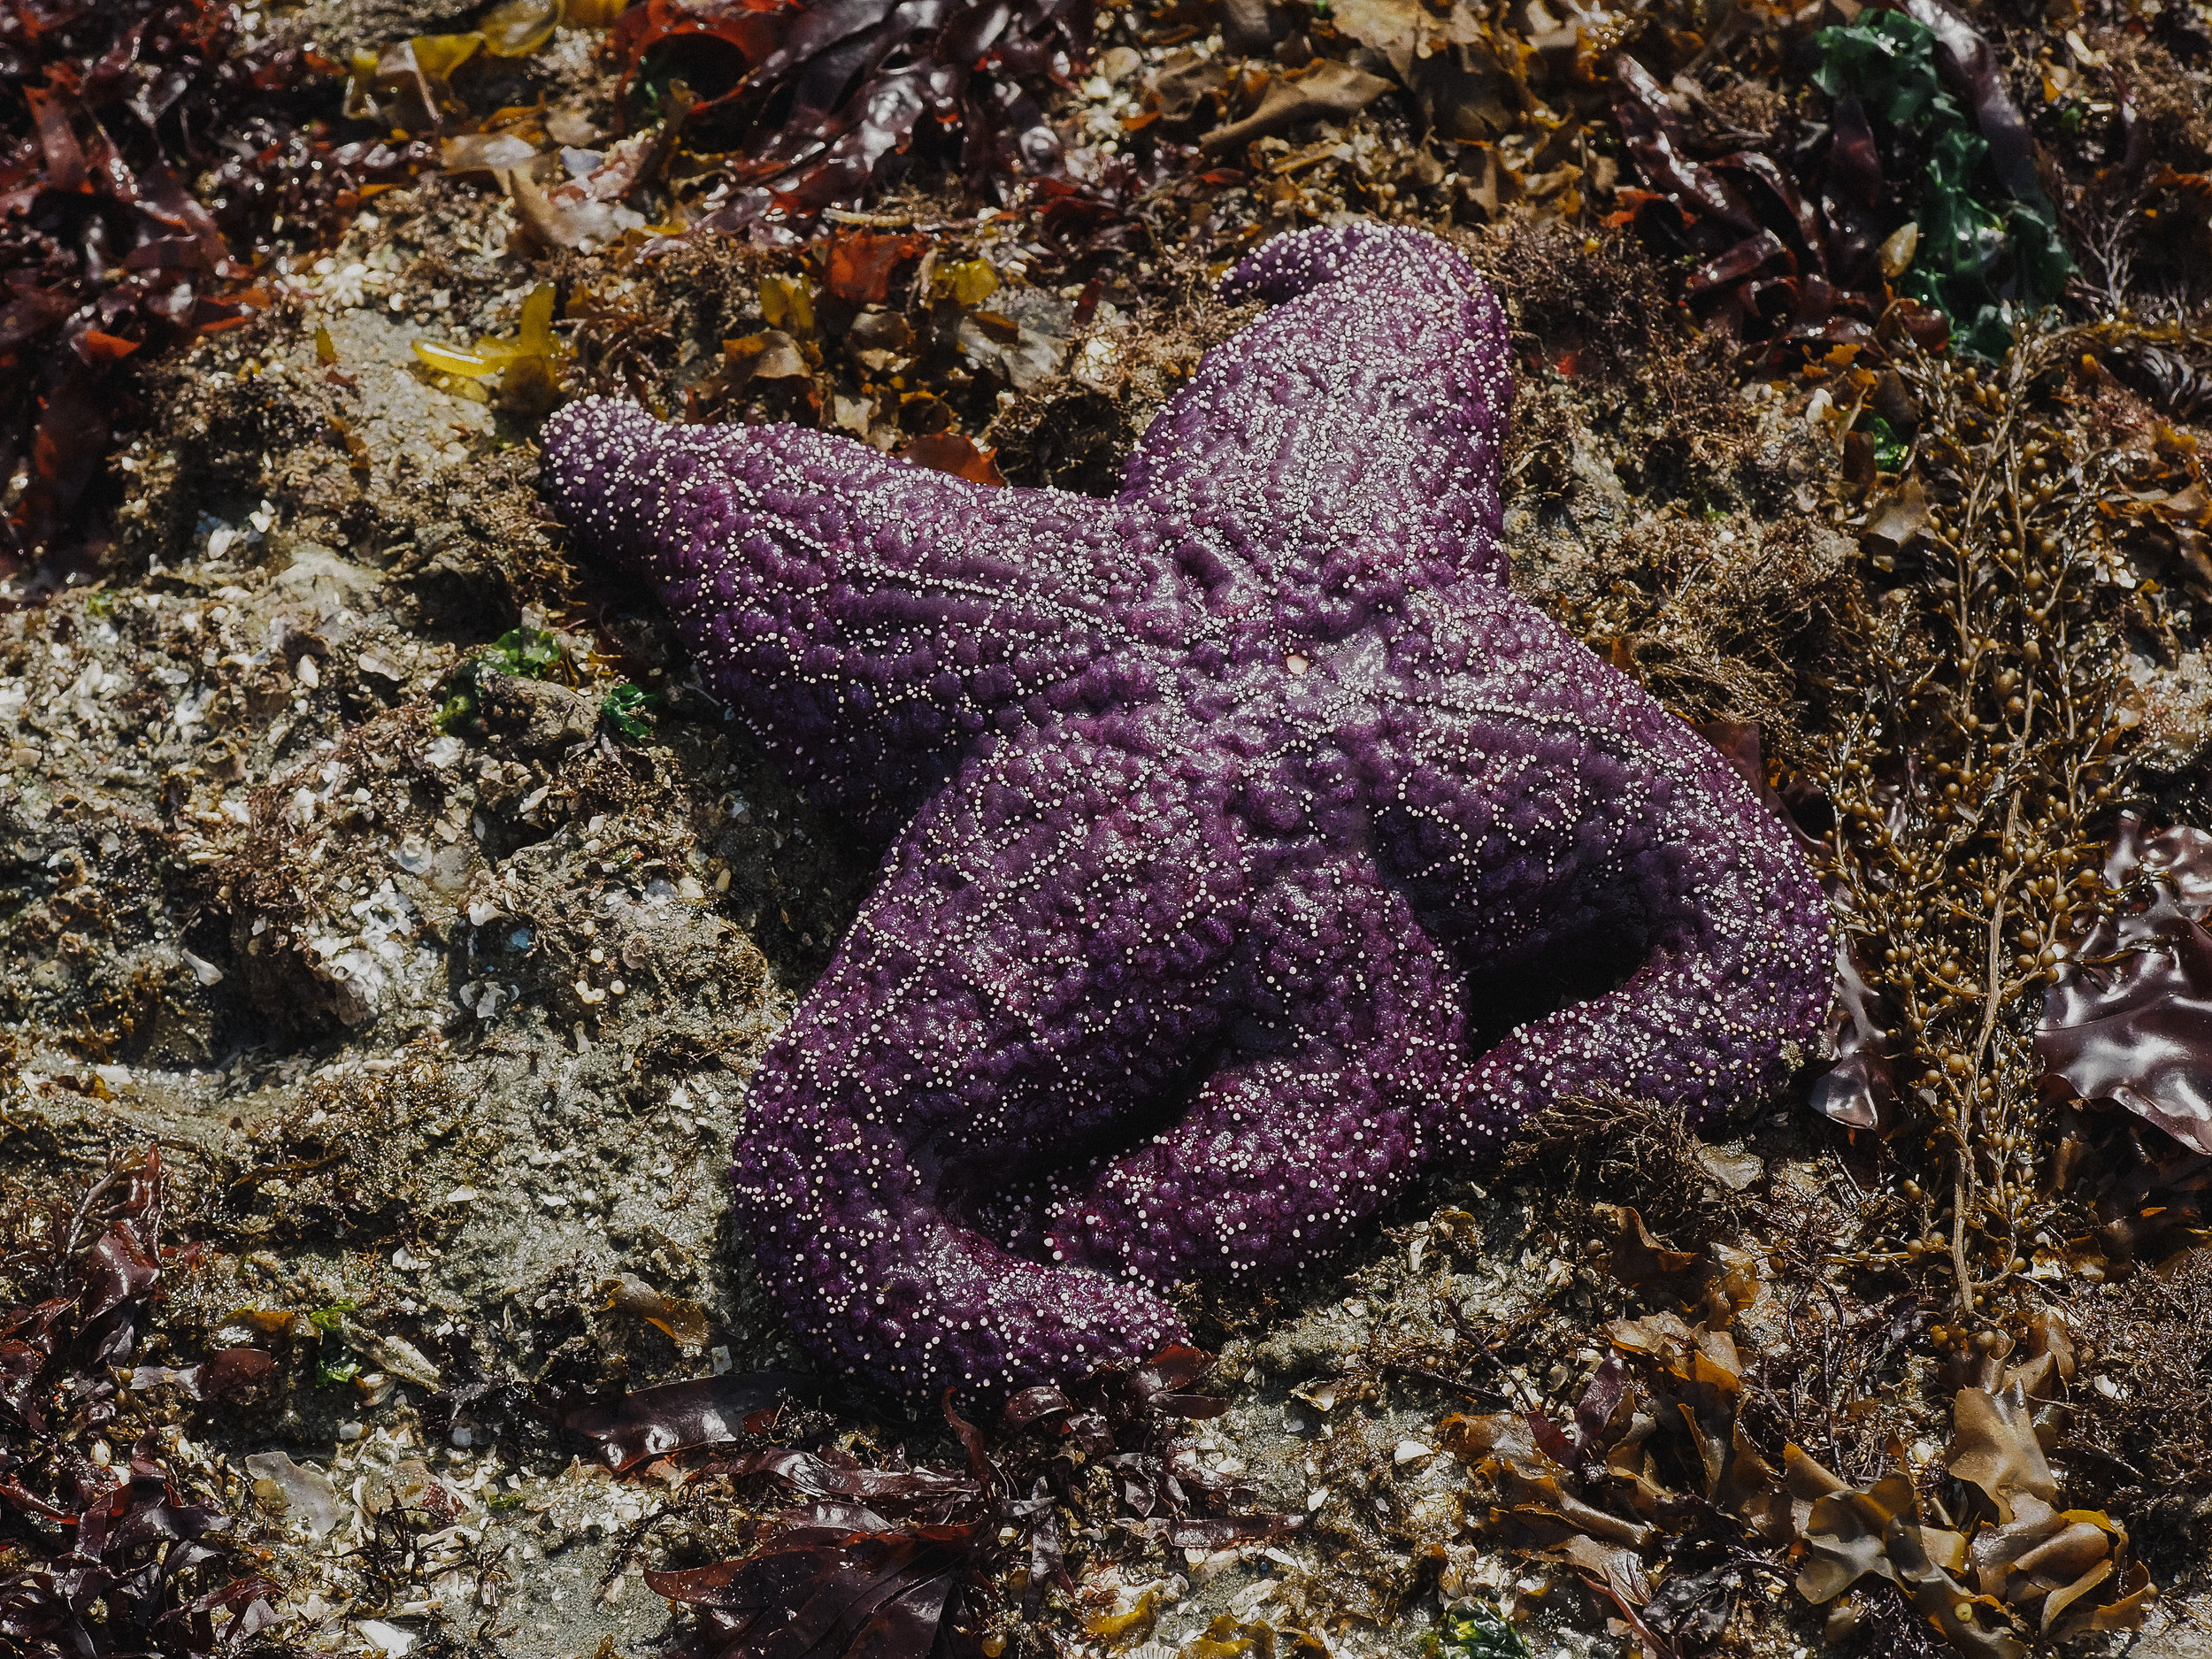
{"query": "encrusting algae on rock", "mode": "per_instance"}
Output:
(1259, 762)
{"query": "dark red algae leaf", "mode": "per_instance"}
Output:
(1594, 1412)
(1163, 1382)
(824, 1593)
(880, 1560)
(1970, 60)
(106, 106)
(2129, 1019)
(1654, 139)
(924, 1493)
(227, 1371)
(824, 101)
(871, 1566)
(99, 1560)
(1781, 255)
(681, 1415)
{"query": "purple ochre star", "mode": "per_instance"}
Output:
(1253, 846)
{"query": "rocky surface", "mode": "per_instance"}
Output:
(404, 883)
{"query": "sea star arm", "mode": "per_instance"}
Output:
(878, 1273)
(1282, 1155)
(868, 616)
(1049, 944)
(1277, 1159)
(1343, 448)
(1697, 1033)
(1548, 817)
(1736, 971)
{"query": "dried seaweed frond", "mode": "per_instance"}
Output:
(2142, 1440)
(2012, 1565)
(1658, 1496)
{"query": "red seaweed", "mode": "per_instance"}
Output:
(887, 1560)
(105, 257)
(106, 1557)
(829, 99)
(683, 1416)
(1785, 263)
(2129, 1019)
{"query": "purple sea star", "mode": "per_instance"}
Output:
(1255, 846)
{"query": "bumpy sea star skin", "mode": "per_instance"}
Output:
(1238, 818)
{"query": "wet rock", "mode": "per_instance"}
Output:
(536, 718)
